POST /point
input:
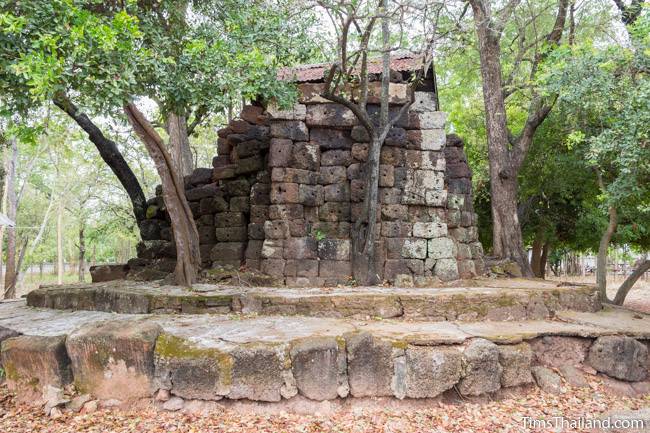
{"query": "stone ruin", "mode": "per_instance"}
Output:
(287, 186)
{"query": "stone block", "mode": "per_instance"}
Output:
(306, 156)
(435, 197)
(332, 174)
(285, 193)
(516, 361)
(280, 152)
(482, 371)
(240, 204)
(310, 93)
(336, 157)
(300, 248)
(396, 229)
(260, 194)
(286, 211)
(199, 176)
(431, 370)
(414, 248)
(253, 114)
(259, 213)
(335, 268)
(426, 139)
(390, 195)
(231, 234)
(212, 205)
(236, 187)
(370, 365)
(429, 230)
(395, 267)
(332, 230)
(334, 249)
(446, 269)
(276, 229)
(114, 359)
(301, 268)
(239, 126)
(427, 120)
(330, 115)
(425, 160)
(296, 112)
(256, 231)
(396, 137)
(310, 195)
(555, 351)
(228, 251)
(458, 170)
(359, 151)
(294, 175)
(398, 93)
(357, 190)
(249, 165)
(273, 267)
(440, 248)
(319, 368)
(328, 138)
(189, 371)
(547, 379)
(393, 212)
(335, 211)
(272, 249)
(424, 102)
(199, 192)
(254, 249)
(386, 175)
(356, 171)
(257, 374)
(207, 235)
(32, 363)
(102, 273)
(359, 133)
(337, 192)
(292, 129)
(394, 156)
(620, 357)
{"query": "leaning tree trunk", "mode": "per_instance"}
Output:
(186, 238)
(179, 143)
(543, 260)
(601, 260)
(629, 282)
(111, 155)
(536, 256)
(10, 173)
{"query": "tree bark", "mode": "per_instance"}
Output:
(186, 238)
(544, 259)
(59, 245)
(629, 282)
(111, 155)
(179, 144)
(82, 255)
(601, 260)
(10, 173)
(506, 153)
(536, 256)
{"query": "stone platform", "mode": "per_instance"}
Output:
(487, 300)
(185, 359)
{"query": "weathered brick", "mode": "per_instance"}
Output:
(280, 152)
(285, 211)
(273, 267)
(301, 268)
(259, 213)
(296, 112)
(359, 151)
(328, 138)
(427, 139)
(332, 174)
(336, 157)
(277, 229)
(334, 249)
(260, 193)
(306, 156)
(256, 231)
(334, 268)
(294, 175)
(391, 212)
(254, 249)
(396, 229)
(206, 235)
(338, 192)
(429, 229)
(334, 212)
(357, 190)
(427, 120)
(390, 195)
(330, 115)
(230, 219)
(441, 248)
(240, 204)
(298, 228)
(392, 156)
(424, 102)
(231, 234)
(285, 193)
(228, 251)
(292, 129)
(386, 175)
(310, 195)
(272, 249)
(300, 248)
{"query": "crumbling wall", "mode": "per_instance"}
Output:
(287, 186)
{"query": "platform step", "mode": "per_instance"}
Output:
(533, 301)
(274, 358)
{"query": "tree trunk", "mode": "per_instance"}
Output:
(179, 143)
(4, 211)
(82, 255)
(536, 256)
(370, 205)
(111, 155)
(601, 261)
(629, 282)
(59, 245)
(186, 238)
(544, 259)
(10, 173)
(507, 242)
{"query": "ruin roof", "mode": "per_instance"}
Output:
(315, 72)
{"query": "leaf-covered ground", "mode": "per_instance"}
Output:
(505, 415)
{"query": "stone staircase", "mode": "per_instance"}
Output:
(123, 342)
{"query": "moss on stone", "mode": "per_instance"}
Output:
(152, 210)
